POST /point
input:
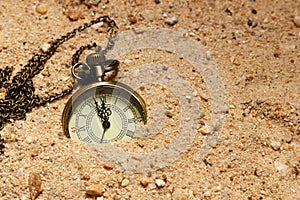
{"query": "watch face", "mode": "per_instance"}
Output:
(103, 112)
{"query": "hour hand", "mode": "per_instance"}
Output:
(97, 106)
(103, 113)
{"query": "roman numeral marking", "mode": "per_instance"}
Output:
(81, 129)
(87, 139)
(90, 104)
(126, 108)
(82, 115)
(132, 120)
(115, 102)
(130, 133)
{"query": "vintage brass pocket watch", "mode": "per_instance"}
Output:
(101, 111)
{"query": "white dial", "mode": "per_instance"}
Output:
(103, 114)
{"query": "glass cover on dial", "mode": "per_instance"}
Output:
(103, 113)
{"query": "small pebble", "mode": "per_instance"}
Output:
(132, 19)
(120, 178)
(218, 188)
(204, 130)
(275, 145)
(152, 186)
(125, 183)
(144, 182)
(231, 106)
(187, 119)
(74, 14)
(19, 125)
(236, 61)
(85, 177)
(246, 112)
(287, 137)
(160, 183)
(192, 34)
(226, 142)
(282, 168)
(207, 193)
(250, 23)
(95, 3)
(42, 8)
(95, 190)
(262, 192)
(195, 93)
(45, 47)
(34, 185)
(204, 96)
(208, 55)
(169, 114)
(45, 72)
(258, 172)
(108, 166)
(97, 26)
(171, 20)
(29, 140)
(297, 20)
(127, 61)
(196, 27)
(157, 1)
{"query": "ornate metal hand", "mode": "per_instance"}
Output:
(103, 113)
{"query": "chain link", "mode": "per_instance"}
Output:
(19, 97)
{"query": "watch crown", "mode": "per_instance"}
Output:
(95, 59)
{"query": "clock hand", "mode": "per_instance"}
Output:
(97, 107)
(103, 113)
(103, 106)
(105, 125)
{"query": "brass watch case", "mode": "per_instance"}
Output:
(124, 90)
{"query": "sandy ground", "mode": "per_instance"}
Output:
(255, 47)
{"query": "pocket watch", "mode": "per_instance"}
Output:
(101, 111)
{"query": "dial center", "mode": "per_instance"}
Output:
(106, 124)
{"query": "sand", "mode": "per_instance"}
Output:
(253, 49)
